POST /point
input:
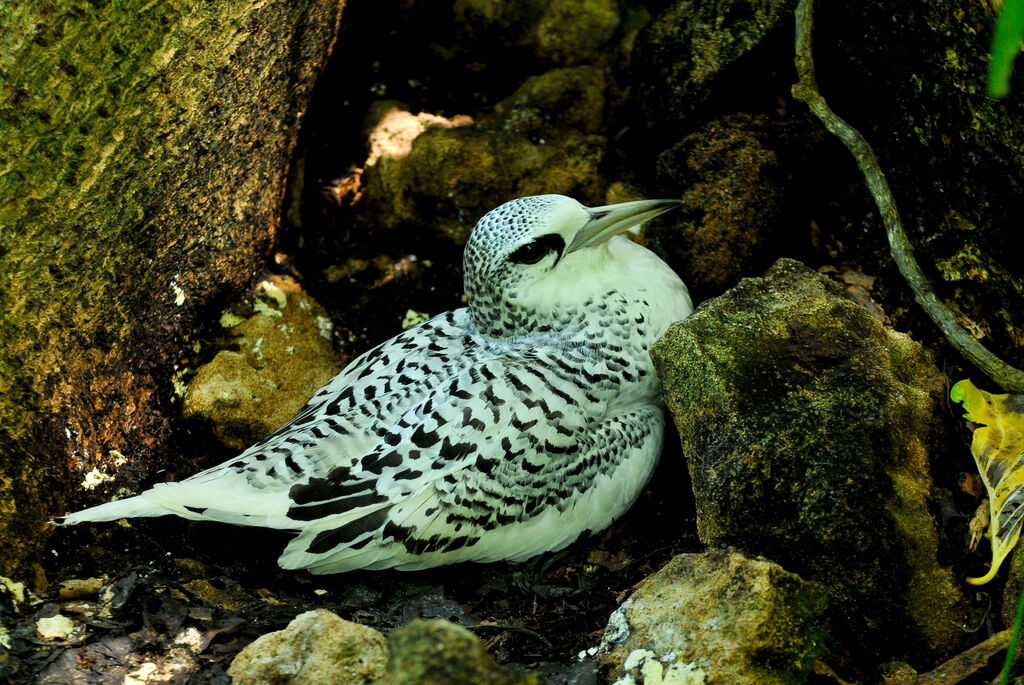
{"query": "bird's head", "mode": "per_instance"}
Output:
(533, 256)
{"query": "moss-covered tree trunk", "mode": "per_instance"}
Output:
(144, 149)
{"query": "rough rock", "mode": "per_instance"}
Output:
(76, 588)
(280, 356)
(438, 651)
(146, 150)
(735, 176)
(316, 647)
(57, 627)
(560, 31)
(562, 98)
(808, 427)
(910, 77)
(542, 139)
(1014, 585)
(720, 616)
(690, 48)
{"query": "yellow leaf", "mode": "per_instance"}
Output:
(998, 449)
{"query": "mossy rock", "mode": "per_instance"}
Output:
(146, 151)
(808, 429)
(438, 651)
(542, 139)
(737, 620)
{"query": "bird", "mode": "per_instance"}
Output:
(499, 431)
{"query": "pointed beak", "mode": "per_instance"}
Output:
(614, 219)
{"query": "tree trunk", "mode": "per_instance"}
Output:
(144, 150)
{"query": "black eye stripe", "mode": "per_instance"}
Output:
(532, 252)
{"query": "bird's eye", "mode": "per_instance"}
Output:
(536, 250)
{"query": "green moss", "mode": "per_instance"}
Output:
(539, 140)
(559, 31)
(793, 402)
(742, 619)
(145, 145)
(569, 31)
(437, 651)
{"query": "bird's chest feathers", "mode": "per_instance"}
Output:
(620, 293)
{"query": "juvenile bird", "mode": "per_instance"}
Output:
(497, 431)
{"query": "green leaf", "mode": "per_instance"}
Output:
(1005, 46)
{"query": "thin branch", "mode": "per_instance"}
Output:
(966, 664)
(806, 90)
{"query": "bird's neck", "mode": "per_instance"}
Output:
(614, 294)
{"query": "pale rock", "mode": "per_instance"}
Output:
(316, 647)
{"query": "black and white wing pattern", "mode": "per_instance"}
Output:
(495, 432)
(486, 467)
(344, 420)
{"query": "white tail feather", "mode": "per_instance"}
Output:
(111, 511)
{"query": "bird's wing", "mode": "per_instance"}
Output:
(517, 439)
(349, 413)
(343, 421)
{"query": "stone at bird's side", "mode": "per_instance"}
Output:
(498, 431)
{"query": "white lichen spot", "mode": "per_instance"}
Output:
(55, 627)
(413, 318)
(637, 658)
(290, 349)
(304, 303)
(191, 638)
(118, 458)
(266, 309)
(325, 326)
(319, 592)
(685, 674)
(15, 589)
(229, 319)
(5, 638)
(286, 329)
(94, 478)
(618, 627)
(178, 381)
(652, 672)
(179, 293)
(269, 290)
(257, 349)
(643, 666)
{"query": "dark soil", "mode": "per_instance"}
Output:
(165, 575)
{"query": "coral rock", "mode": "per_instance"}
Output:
(284, 354)
(722, 617)
(808, 429)
(542, 139)
(316, 647)
(438, 651)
